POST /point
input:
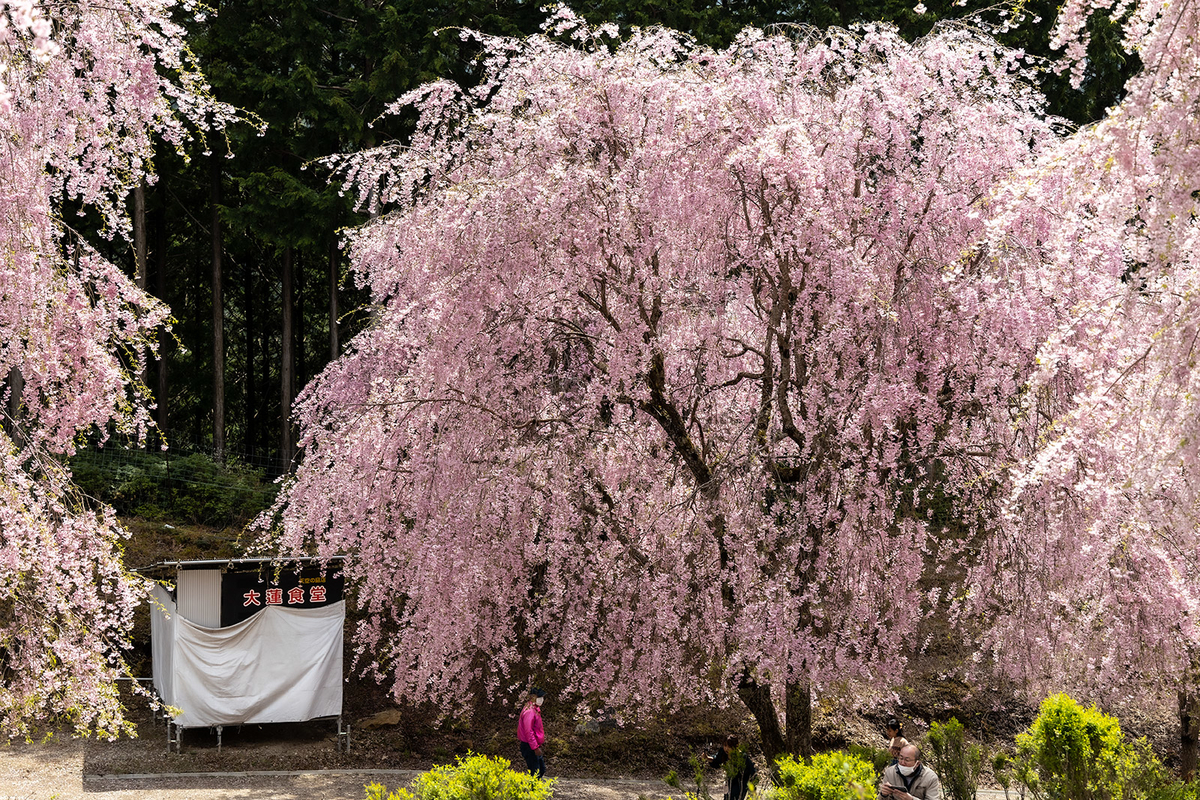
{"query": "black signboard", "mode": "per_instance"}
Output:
(248, 589)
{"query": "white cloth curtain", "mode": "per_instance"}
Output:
(280, 665)
(162, 641)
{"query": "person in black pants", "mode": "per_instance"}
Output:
(530, 734)
(739, 767)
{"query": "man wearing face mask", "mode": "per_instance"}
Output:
(530, 735)
(909, 779)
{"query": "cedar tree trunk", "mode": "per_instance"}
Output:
(160, 284)
(288, 367)
(218, 316)
(333, 299)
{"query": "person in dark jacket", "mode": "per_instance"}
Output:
(739, 767)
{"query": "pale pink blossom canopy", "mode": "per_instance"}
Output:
(685, 363)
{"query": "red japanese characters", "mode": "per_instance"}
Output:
(274, 596)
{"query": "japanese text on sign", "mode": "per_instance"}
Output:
(274, 597)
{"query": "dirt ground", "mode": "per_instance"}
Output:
(413, 740)
(302, 760)
(57, 770)
(607, 762)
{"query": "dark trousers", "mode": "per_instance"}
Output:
(535, 763)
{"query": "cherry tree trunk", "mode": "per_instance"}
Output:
(139, 234)
(799, 718)
(16, 387)
(1189, 732)
(757, 698)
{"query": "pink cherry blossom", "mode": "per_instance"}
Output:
(76, 118)
(1096, 585)
(684, 362)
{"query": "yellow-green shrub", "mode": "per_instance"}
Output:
(472, 778)
(1076, 753)
(956, 761)
(825, 776)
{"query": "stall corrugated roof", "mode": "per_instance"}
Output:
(163, 568)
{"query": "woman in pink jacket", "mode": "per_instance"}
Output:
(530, 735)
